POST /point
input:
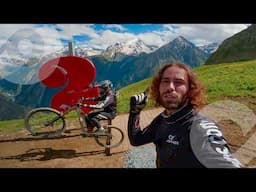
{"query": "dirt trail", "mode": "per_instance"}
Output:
(73, 151)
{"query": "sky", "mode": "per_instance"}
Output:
(47, 38)
(28, 43)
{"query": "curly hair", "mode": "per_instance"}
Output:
(196, 93)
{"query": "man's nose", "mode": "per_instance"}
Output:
(171, 86)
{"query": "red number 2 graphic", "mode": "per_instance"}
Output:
(74, 74)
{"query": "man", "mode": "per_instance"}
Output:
(182, 136)
(108, 106)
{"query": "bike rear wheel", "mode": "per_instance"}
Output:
(112, 137)
(45, 122)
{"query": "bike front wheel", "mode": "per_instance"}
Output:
(112, 137)
(45, 122)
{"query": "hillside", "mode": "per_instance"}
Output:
(225, 80)
(239, 47)
(10, 110)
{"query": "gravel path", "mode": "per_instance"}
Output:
(142, 156)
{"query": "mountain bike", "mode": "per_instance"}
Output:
(49, 123)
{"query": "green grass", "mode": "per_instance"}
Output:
(15, 125)
(221, 80)
(9, 126)
(229, 79)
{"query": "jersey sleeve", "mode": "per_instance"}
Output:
(100, 98)
(210, 147)
(138, 136)
(109, 100)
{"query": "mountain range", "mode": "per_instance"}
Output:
(122, 63)
(210, 48)
(239, 47)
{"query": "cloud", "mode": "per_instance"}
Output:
(151, 39)
(7, 30)
(115, 26)
(102, 36)
(109, 37)
(69, 30)
(206, 33)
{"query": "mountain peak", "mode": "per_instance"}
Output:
(180, 43)
(181, 40)
(130, 47)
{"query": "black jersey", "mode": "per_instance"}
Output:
(184, 139)
(109, 103)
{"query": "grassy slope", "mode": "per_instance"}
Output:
(11, 125)
(222, 80)
(229, 79)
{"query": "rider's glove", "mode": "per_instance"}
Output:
(98, 106)
(88, 105)
(86, 99)
(138, 102)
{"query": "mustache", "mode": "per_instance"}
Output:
(170, 93)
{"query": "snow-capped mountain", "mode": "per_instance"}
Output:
(210, 48)
(133, 47)
(87, 51)
(78, 51)
(179, 49)
(181, 42)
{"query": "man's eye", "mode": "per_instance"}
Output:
(179, 82)
(165, 81)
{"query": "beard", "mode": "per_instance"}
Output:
(171, 105)
(174, 103)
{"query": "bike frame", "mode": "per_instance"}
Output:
(107, 135)
(81, 117)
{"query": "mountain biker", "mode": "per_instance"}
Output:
(183, 137)
(108, 106)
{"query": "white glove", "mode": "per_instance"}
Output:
(138, 102)
(97, 106)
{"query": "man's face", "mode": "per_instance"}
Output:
(173, 88)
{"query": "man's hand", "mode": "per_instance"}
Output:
(97, 106)
(138, 102)
(86, 99)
